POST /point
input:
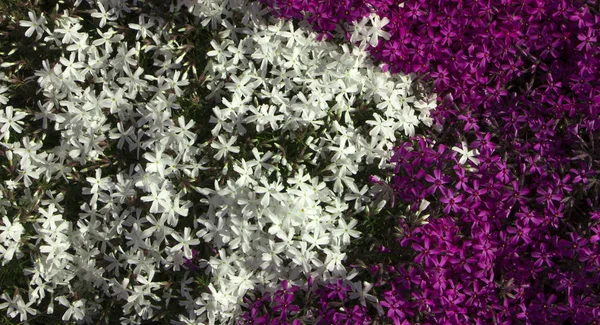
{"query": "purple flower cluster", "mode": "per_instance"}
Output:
(324, 16)
(497, 247)
(536, 57)
(321, 304)
(513, 235)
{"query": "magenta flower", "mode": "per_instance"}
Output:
(451, 201)
(437, 180)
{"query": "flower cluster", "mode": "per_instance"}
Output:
(511, 233)
(327, 18)
(169, 161)
(120, 190)
(503, 223)
(92, 186)
(333, 303)
(298, 121)
(474, 53)
(479, 56)
(494, 246)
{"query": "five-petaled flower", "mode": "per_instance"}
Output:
(466, 154)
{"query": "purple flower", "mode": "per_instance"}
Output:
(395, 308)
(338, 290)
(452, 201)
(437, 180)
(543, 256)
(425, 251)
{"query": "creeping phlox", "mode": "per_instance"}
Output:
(293, 123)
(80, 195)
(297, 120)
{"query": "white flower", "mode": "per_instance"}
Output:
(11, 184)
(185, 129)
(49, 219)
(157, 162)
(225, 146)
(346, 230)
(175, 210)
(466, 154)
(245, 171)
(175, 82)
(317, 238)
(243, 282)
(422, 218)
(382, 127)
(108, 37)
(45, 113)
(268, 191)
(223, 265)
(240, 85)
(360, 291)
(16, 306)
(121, 134)
(29, 151)
(143, 27)
(71, 66)
(377, 31)
(35, 24)
(294, 35)
(8, 252)
(3, 98)
(334, 259)
(270, 255)
(75, 310)
(160, 199)
(371, 34)
(136, 238)
(239, 53)
(104, 15)
(133, 81)
(10, 120)
(69, 31)
(185, 242)
(219, 52)
(408, 121)
(10, 236)
(99, 183)
(27, 173)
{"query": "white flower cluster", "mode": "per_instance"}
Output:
(295, 123)
(98, 104)
(362, 32)
(9, 239)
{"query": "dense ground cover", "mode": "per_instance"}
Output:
(163, 159)
(358, 162)
(509, 184)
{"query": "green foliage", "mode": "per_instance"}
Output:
(11, 276)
